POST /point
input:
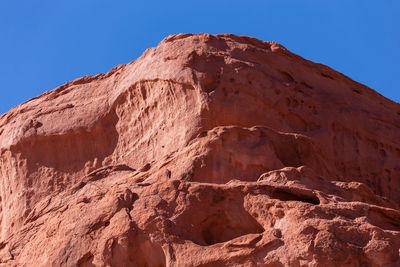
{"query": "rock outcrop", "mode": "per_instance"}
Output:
(206, 151)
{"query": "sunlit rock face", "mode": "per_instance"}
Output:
(208, 150)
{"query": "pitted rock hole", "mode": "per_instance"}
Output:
(218, 226)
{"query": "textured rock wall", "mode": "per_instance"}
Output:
(206, 151)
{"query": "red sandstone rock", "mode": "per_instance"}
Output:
(206, 151)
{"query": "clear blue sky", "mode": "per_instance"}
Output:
(46, 43)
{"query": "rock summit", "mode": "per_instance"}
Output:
(208, 150)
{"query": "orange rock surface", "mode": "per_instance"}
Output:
(206, 151)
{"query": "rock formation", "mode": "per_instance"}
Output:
(206, 151)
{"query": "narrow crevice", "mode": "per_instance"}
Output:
(306, 85)
(287, 77)
(327, 76)
(284, 195)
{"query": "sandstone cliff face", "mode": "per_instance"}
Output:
(206, 151)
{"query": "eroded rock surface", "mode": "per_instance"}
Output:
(206, 151)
